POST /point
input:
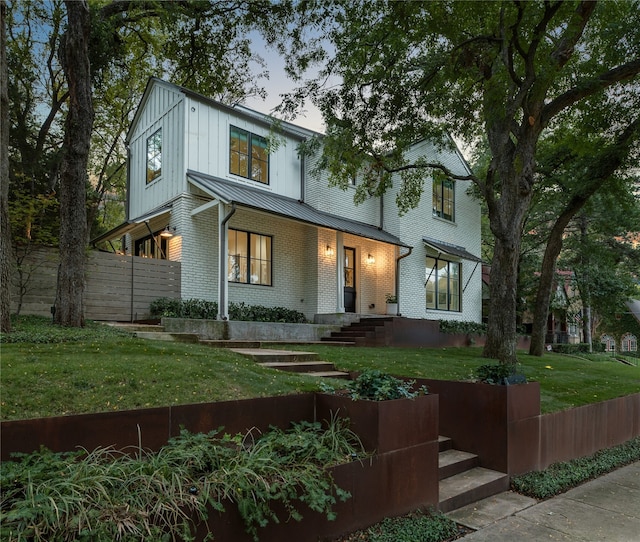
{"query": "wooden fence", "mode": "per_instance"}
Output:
(118, 287)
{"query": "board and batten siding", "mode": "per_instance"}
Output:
(163, 108)
(207, 148)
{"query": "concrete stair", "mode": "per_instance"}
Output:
(295, 362)
(462, 480)
(365, 332)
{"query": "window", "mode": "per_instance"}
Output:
(444, 199)
(248, 155)
(609, 343)
(442, 285)
(154, 155)
(249, 258)
(629, 343)
(154, 246)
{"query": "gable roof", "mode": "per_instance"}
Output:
(261, 200)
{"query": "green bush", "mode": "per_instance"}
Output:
(374, 385)
(417, 527)
(562, 476)
(107, 495)
(201, 309)
(580, 348)
(467, 328)
(500, 374)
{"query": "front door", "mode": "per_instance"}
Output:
(349, 279)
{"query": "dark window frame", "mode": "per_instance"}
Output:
(440, 201)
(152, 246)
(435, 269)
(249, 259)
(249, 155)
(152, 173)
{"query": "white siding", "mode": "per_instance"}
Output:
(163, 108)
(207, 130)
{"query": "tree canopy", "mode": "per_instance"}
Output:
(506, 72)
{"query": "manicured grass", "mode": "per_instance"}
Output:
(56, 371)
(565, 381)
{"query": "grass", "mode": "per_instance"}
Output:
(51, 371)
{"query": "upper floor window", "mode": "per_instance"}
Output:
(154, 155)
(248, 155)
(152, 246)
(444, 199)
(249, 258)
(442, 284)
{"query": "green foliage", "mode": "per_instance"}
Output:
(199, 308)
(107, 495)
(499, 374)
(391, 298)
(416, 527)
(580, 348)
(455, 326)
(375, 385)
(562, 476)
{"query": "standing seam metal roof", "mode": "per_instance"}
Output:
(254, 198)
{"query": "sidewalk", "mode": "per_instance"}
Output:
(606, 509)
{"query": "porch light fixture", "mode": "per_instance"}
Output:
(167, 232)
(329, 250)
(370, 259)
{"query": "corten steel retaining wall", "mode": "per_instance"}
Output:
(402, 475)
(503, 424)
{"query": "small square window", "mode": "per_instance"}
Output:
(154, 156)
(248, 155)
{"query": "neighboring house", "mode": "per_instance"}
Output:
(224, 191)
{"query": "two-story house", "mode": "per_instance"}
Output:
(224, 190)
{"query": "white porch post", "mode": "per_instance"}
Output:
(225, 212)
(340, 271)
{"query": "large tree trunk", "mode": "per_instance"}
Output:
(5, 230)
(73, 178)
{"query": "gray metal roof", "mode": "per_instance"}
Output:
(127, 226)
(448, 248)
(254, 198)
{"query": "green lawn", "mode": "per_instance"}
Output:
(99, 369)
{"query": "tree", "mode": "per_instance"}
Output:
(205, 44)
(587, 167)
(506, 71)
(5, 232)
(69, 308)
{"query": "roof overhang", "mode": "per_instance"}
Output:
(129, 225)
(448, 248)
(257, 199)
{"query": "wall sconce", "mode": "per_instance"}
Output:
(329, 250)
(167, 232)
(370, 259)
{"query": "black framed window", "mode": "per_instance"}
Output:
(249, 257)
(154, 155)
(248, 155)
(152, 246)
(443, 285)
(444, 199)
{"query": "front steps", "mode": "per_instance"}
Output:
(462, 480)
(364, 332)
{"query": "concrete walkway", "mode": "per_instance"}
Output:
(606, 509)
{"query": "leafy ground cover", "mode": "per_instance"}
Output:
(562, 476)
(47, 370)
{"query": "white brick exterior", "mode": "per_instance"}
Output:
(304, 276)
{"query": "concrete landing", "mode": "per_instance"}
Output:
(469, 486)
(292, 361)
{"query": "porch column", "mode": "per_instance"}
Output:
(225, 212)
(340, 271)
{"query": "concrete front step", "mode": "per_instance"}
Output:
(300, 366)
(166, 336)
(470, 486)
(452, 462)
(264, 355)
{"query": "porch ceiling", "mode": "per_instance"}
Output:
(127, 226)
(253, 198)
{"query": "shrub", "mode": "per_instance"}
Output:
(107, 495)
(201, 309)
(499, 373)
(375, 385)
(580, 348)
(454, 326)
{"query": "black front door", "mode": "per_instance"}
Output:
(349, 279)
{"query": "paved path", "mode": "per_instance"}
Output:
(606, 509)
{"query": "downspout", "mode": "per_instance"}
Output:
(222, 291)
(398, 275)
(303, 177)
